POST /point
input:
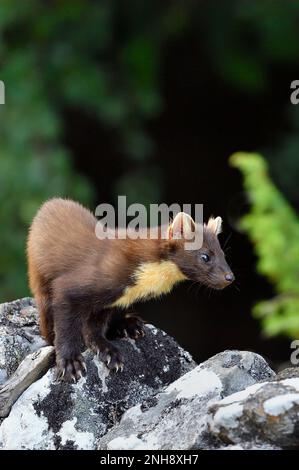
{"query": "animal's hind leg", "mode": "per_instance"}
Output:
(46, 322)
(96, 329)
(124, 325)
(41, 292)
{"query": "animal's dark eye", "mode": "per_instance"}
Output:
(205, 257)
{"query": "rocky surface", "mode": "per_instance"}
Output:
(177, 417)
(53, 415)
(19, 334)
(161, 400)
(262, 413)
(239, 369)
(33, 367)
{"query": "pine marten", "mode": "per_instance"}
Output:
(83, 285)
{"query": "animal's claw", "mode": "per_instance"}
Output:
(130, 326)
(70, 370)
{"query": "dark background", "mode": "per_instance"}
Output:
(149, 99)
(204, 121)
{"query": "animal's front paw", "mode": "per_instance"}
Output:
(112, 358)
(110, 355)
(130, 326)
(70, 370)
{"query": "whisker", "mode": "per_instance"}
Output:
(227, 240)
(192, 285)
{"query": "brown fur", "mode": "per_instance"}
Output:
(77, 279)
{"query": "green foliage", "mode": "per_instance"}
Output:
(243, 37)
(101, 58)
(254, 49)
(106, 59)
(273, 227)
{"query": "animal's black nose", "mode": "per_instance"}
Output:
(229, 277)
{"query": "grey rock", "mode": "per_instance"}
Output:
(19, 334)
(249, 446)
(31, 369)
(161, 400)
(288, 373)
(174, 419)
(177, 417)
(239, 369)
(51, 415)
(262, 414)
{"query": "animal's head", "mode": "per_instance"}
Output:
(207, 264)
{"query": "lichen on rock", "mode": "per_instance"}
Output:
(161, 400)
(55, 415)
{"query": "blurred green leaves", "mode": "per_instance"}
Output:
(273, 227)
(244, 37)
(100, 58)
(106, 59)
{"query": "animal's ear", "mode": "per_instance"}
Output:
(182, 226)
(215, 225)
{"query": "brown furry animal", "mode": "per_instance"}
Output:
(82, 284)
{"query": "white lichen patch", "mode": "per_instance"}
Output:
(80, 384)
(132, 442)
(227, 416)
(186, 355)
(103, 372)
(125, 443)
(133, 413)
(242, 395)
(293, 382)
(196, 382)
(133, 343)
(82, 440)
(280, 404)
(153, 329)
(23, 428)
(232, 447)
(3, 376)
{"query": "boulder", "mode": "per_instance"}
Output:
(19, 334)
(239, 369)
(33, 367)
(161, 400)
(177, 418)
(54, 415)
(262, 414)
